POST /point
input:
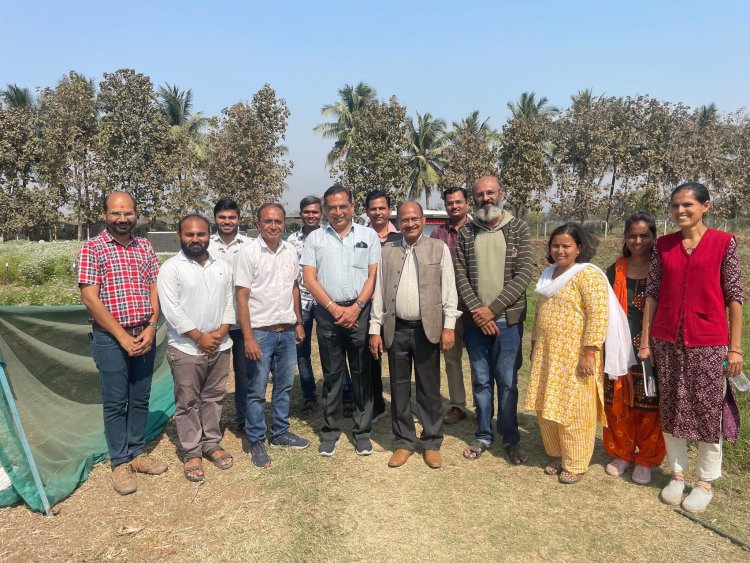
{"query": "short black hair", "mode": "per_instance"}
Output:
(338, 189)
(586, 242)
(193, 216)
(105, 200)
(452, 190)
(637, 217)
(400, 205)
(377, 194)
(310, 200)
(270, 204)
(700, 192)
(226, 204)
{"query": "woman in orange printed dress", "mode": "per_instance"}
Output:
(633, 435)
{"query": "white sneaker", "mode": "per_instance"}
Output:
(698, 499)
(672, 493)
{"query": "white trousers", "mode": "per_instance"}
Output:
(709, 457)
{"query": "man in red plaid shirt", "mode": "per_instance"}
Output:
(117, 276)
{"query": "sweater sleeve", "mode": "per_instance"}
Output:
(465, 292)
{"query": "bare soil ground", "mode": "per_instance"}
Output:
(349, 508)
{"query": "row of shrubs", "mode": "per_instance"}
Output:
(37, 263)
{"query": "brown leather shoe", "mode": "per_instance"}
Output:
(399, 457)
(123, 480)
(144, 463)
(454, 415)
(433, 459)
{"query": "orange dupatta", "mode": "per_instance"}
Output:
(620, 289)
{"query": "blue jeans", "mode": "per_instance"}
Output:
(239, 364)
(304, 364)
(278, 355)
(126, 389)
(494, 361)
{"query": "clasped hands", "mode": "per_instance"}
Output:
(484, 318)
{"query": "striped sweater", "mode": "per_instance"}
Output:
(518, 268)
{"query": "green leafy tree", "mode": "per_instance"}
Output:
(352, 99)
(68, 127)
(472, 152)
(133, 142)
(19, 152)
(376, 154)
(529, 106)
(524, 171)
(247, 158)
(425, 154)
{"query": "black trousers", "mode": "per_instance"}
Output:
(410, 346)
(376, 378)
(337, 345)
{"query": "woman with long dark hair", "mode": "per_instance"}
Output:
(633, 435)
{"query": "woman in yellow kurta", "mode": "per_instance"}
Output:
(566, 381)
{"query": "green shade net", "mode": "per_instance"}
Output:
(46, 356)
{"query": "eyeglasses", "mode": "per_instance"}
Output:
(125, 214)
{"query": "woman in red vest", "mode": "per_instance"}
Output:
(633, 435)
(694, 277)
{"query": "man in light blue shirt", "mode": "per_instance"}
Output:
(339, 264)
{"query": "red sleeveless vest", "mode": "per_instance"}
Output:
(691, 291)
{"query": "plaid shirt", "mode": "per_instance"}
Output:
(124, 275)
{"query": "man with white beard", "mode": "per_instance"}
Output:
(493, 270)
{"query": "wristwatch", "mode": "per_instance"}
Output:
(299, 323)
(155, 326)
(361, 304)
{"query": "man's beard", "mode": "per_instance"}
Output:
(489, 213)
(197, 250)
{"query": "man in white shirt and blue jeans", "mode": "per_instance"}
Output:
(197, 299)
(268, 309)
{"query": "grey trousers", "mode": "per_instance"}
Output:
(199, 387)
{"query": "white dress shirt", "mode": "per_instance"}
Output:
(407, 294)
(228, 252)
(194, 296)
(270, 276)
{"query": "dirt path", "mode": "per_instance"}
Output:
(348, 508)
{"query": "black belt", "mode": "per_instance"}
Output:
(346, 303)
(131, 330)
(412, 324)
(280, 327)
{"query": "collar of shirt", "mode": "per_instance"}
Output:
(264, 247)
(182, 256)
(329, 228)
(108, 238)
(410, 247)
(236, 240)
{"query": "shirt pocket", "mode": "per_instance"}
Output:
(360, 257)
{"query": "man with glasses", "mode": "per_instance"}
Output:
(117, 277)
(493, 270)
(339, 263)
(456, 201)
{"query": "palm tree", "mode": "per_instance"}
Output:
(427, 141)
(528, 106)
(177, 106)
(472, 125)
(707, 115)
(17, 98)
(351, 100)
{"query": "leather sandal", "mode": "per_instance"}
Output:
(554, 466)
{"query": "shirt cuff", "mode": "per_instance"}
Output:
(374, 328)
(185, 327)
(449, 323)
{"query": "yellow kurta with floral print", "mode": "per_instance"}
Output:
(574, 317)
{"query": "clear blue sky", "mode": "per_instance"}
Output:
(447, 58)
